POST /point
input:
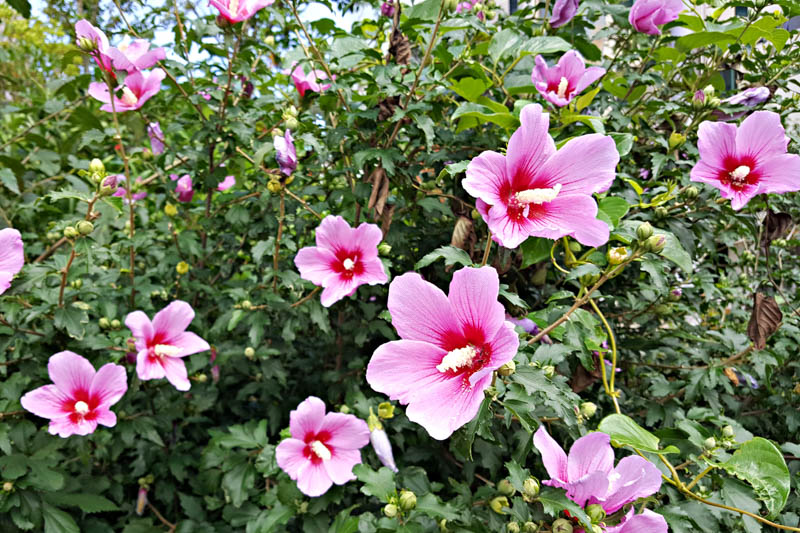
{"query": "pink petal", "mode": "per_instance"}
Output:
(779, 174)
(635, 477)
(105, 417)
(373, 274)
(591, 75)
(368, 237)
(5, 281)
(473, 298)
(761, 136)
(646, 522)
(347, 431)
(590, 453)
(64, 427)
(421, 311)
(140, 325)
(313, 480)
(46, 402)
(487, 177)
(529, 147)
(314, 263)
(716, 142)
(12, 257)
(504, 347)
(109, 384)
(575, 216)
(336, 288)
(340, 467)
(505, 230)
(307, 418)
(403, 369)
(147, 368)
(189, 343)
(172, 320)
(175, 372)
(587, 487)
(226, 184)
(289, 455)
(585, 165)
(99, 91)
(553, 456)
(71, 373)
(334, 233)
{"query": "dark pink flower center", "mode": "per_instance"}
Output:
(81, 406)
(561, 87)
(467, 353)
(739, 172)
(348, 263)
(317, 447)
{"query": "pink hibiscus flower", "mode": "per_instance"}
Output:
(85, 30)
(745, 161)
(136, 56)
(589, 476)
(536, 190)
(156, 137)
(645, 522)
(79, 397)
(139, 87)
(184, 188)
(308, 82)
(285, 152)
(11, 256)
(561, 83)
(450, 346)
(238, 10)
(226, 184)
(563, 11)
(163, 342)
(323, 448)
(647, 15)
(343, 259)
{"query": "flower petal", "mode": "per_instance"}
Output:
(633, 478)
(12, 257)
(64, 427)
(590, 453)
(716, 141)
(585, 165)
(140, 325)
(105, 417)
(368, 237)
(587, 487)
(553, 456)
(148, 368)
(71, 373)
(779, 174)
(646, 522)
(172, 320)
(340, 467)
(289, 455)
(402, 369)
(109, 384)
(307, 418)
(46, 402)
(347, 431)
(175, 372)
(571, 215)
(336, 288)
(314, 263)
(487, 177)
(529, 147)
(421, 311)
(189, 343)
(313, 480)
(761, 135)
(334, 233)
(473, 298)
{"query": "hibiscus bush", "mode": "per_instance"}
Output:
(406, 267)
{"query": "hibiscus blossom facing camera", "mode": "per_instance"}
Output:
(163, 342)
(746, 161)
(450, 346)
(139, 87)
(79, 398)
(561, 83)
(323, 448)
(535, 190)
(343, 259)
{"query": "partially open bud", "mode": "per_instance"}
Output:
(617, 256)
(182, 268)
(249, 352)
(644, 231)
(595, 513)
(588, 409)
(385, 410)
(549, 371)
(709, 91)
(96, 166)
(675, 294)
(390, 510)
(530, 487)
(70, 232)
(656, 244)
(498, 503)
(676, 139)
(513, 527)
(384, 249)
(728, 432)
(87, 45)
(562, 525)
(699, 99)
(223, 23)
(505, 487)
(84, 227)
(408, 500)
(507, 369)
(141, 501)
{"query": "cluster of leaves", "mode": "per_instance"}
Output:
(389, 143)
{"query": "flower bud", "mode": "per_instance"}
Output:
(274, 186)
(96, 166)
(675, 294)
(84, 227)
(249, 352)
(443, 526)
(291, 123)
(507, 369)
(170, 210)
(387, 9)
(562, 525)
(661, 212)
(286, 433)
(710, 443)
(512, 527)
(246, 305)
(476, 215)
(381, 444)
(709, 91)
(116, 324)
(344, 409)
(390, 510)
(8, 486)
(676, 139)
(505, 487)
(498, 503)
(588, 409)
(104, 323)
(70, 232)
(269, 40)
(223, 23)
(587, 280)
(644, 231)
(617, 256)
(727, 431)
(385, 410)
(202, 378)
(408, 500)
(714, 102)
(656, 244)
(76, 283)
(141, 499)
(87, 45)
(182, 267)
(530, 527)
(699, 99)
(691, 193)
(549, 371)
(384, 249)
(595, 513)
(530, 487)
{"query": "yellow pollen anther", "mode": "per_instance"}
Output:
(458, 358)
(128, 98)
(348, 264)
(320, 450)
(740, 173)
(81, 408)
(165, 349)
(563, 85)
(538, 196)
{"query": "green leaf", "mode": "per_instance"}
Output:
(8, 179)
(88, 137)
(624, 142)
(88, 503)
(626, 432)
(248, 436)
(71, 319)
(430, 505)
(239, 480)
(615, 207)
(544, 45)
(535, 250)
(761, 463)
(555, 501)
(379, 483)
(703, 39)
(450, 254)
(675, 252)
(504, 43)
(486, 114)
(584, 100)
(470, 88)
(57, 521)
(23, 7)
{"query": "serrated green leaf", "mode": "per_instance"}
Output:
(450, 254)
(88, 503)
(379, 483)
(57, 521)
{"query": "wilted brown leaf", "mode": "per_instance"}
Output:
(461, 232)
(731, 374)
(380, 190)
(775, 226)
(764, 321)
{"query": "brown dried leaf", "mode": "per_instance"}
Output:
(731, 374)
(764, 321)
(386, 222)
(461, 232)
(382, 196)
(775, 226)
(377, 178)
(386, 107)
(400, 47)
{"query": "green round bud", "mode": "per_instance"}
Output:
(104, 323)
(710, 443)
(644, 231)
(85, 227)
(562, 525)
(691, 193)
(70, 232)
(656, 244)
(780, 243)
(575, 246)
(512, 527)
(8, 486)
(390, 510)
(384, 249)
(661, 212)
(709, 91)
(87, 45)
(202, 378)
(249, 352)
(476, 215)
(292, 123)
(269, 40)
(96, 166)
(408, 500)
(507, 369)
(728, 432)
(116, 324)
(76, 284)
(530, 487)
(246, 305)
(344, 409)
(505, 487)
(595, 513)
(530, 527)
(588, 409)
(498, 503)
(549, 371)
(587, 280)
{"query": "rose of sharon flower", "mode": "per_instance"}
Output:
(646, 522)
(184, 188)
(563, 11)
(139, 87)
(536, 190)
(79, 397)
(647, 15)
(238, 10)
(343, 259)
(163, 342)
(561, 83)
(11, 256)
(309, 82)
(285, 152)
(85, 30)
(450, 346)
(156, 137)
(226, 184)
(745, 161)
(323, 448)
(749, 97)
(589, 476)
(136, 56)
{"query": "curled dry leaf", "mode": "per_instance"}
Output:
(775, 226)
(764, 321)
(461, 232)
(380, 191)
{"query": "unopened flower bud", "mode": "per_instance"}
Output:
(84, 227)
(691, 193)
(223, 23)
(387, 9)
(617, 255)
(182, 267)
(661, 212)
(274, 186)
(588, 409)
(562, 525)
(170, 210)
(70, 232)
(269, 40)
(512, 527)
(530, 487)
(530, 527)
(507, 369)
(104, 323)
(384, 249)
(141, 500)
(291, 123)
(385, 410)
(709, 91)
(246, 305)
(587, 280)
(408, 500)
(656, 244)
(644, 231)
(505, 487)
(710, 443)
(96, 166)
(675, 294)
(498, 503)
(76, 283)
(8, 486)
(727, 431)
(549, 371)
(390, 510)
(714, 102)
(476, 215)
(87, 45)
(344, 408)
(699, 99)
(676, 139)
(202, 378)
(116, 324)
(595, 513)
(249, 352)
